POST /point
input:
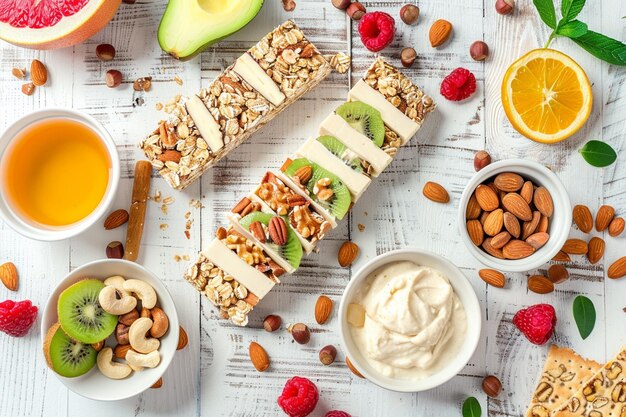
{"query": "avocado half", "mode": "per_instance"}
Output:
(190, 26)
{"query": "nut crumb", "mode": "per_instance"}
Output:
(19, 73)
(157, 196)
(177, 258)
(178, 80)
(164, 208)
(159, 106)
(168, 200)
(142, 84)
(163, 226)
(187, 215)
(187, 234)
(195, 203)
(361, 227)
(186, 257)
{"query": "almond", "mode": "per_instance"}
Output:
(583, 218)
(304, 174)
(618, 268)
(473, 210)
(157, 384)
(116, 219)
(544, 224)
(38, 73)
(500, 240)
(487, 198)
(595, 250)
(528, 228)
(256, 228)
(517, 206)
(439, 32)
(493, 222)
(183, 339)
(604, 216)
(323, 309)
(28, 89)
(496, 253)
(484, 216)
(352, 368)
(258, 357)
(517, 249)
(170, 155)
(348, 252)
(511, 224)
(561, 257)
(9, 276)
(242, 204)
(537, 240)
(508, 182)
(575, 247)
(540, 284)
(475, 231)
(120, 351)
(435, 192)
(543, 201)
(492, 277)
(278, 230)
(557, 274)
(19, 73)
(616, 227)
(527, 191)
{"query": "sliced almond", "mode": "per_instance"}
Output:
(517, 249)
(616, 227)
(595, 250)
(516, 205)
(496, 253)
(528, 228)
(258, 356)
(540, 284)
(473, 210)
(575, 247)
(487, 198)
(493, 222)
(500, 239)
(475, 231)
(583, 218)
(508, 182)
(435, 192)
(511, 224)
(617, 268)
(604, 217)
(527, 191)
(543, 201)
(492, 277)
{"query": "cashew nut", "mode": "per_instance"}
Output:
(137, 336)
(143, 291)
(150, 360)
(161, 323)
(118, 306)
(136, 368)
(110, 369)
(117, 282)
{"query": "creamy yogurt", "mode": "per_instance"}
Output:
(414, 323)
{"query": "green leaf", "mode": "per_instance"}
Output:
(546, 12)
(471, 408)
(597, 153)
(571, 8)
(585, 315)
(603, 47)
(573, 29)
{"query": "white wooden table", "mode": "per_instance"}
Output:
(213, 376)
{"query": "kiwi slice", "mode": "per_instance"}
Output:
(81, 315)
(339, 203)
(290, 251)
(365, 119)
(341, 151)
(66, 356)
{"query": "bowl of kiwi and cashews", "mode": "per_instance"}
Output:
(109, 330)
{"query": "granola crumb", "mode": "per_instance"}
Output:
(187, 215)
(168, 200)
(177, 258)
(163, 226)
(159, 106)
(186, 258)
(178, 80)
(157, 196)
(195, 203)
(164, 208)
(361, 227)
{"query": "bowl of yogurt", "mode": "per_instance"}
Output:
(409, 320)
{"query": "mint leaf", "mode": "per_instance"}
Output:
(546, 12)
(597, 153)
(585, 315)
(471, 408)
(573, 29)
(603, 47)
(571, 8)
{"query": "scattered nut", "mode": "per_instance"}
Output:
(409, 13)
(481, 160)
(323, 309)
(9, 276)
(157, 384)
(142, 84)
(328, 354)
(289, 5)
(272, 323)
(300, 333)
(505, 6)
(407, 57)
(352, 368)
(439, 32)
(19, 73)
(341, 4)
(557, 273)
(116, 219)
(105, 52)
(38, 73)
(115, 250)
(113, 78)
(492, 386)
(348, 252)
(28, 89)
(616, 227)
(355, 11)
(479, 51)
(182, 339)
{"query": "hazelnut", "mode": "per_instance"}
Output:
(409, 13)
(341, 4)
(289, 5)
(129, 318)
(300, 333)
(492, 386)
(105, 52)
(121, 334)
(505, 6)
(328, 354)
(272, 323)
(479, 51)
(407, 57)
(115, 250)
(355, 11)
(481, 160)
(113, 78)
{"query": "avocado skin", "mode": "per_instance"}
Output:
(162, 31)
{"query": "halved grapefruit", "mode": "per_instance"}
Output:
(51, 24)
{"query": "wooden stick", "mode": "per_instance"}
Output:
(137, 212)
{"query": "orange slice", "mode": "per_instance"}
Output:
(546, 96)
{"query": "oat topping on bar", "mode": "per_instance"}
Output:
(340, 62)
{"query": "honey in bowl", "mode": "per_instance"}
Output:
(55, 172)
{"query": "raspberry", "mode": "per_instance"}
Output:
(459, 85)
(299, 397)
(337, 413)
(536, 322)
(376, 30)
(17, 318)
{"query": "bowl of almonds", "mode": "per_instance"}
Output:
(514, 215)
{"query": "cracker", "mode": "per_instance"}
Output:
(563, 374)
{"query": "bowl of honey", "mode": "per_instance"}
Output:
(59, 171)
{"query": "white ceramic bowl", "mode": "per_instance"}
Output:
(462, 288)
(38, 232)
(559, 224)
(93, 384)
